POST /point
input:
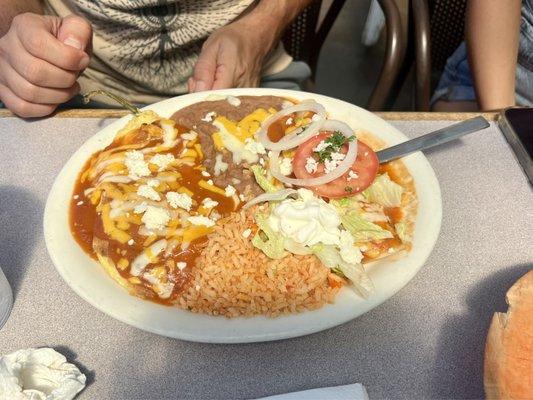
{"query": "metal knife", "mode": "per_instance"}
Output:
(433, 139)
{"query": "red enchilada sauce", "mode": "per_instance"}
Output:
(86, 225)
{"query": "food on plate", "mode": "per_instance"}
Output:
(239, 206)
(509, 348)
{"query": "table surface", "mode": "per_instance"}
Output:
(425, 342)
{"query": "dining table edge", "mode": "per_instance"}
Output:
(387, 115)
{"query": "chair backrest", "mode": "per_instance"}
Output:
(305, 37)
(299, 37)
(447, 20)
(442, 23)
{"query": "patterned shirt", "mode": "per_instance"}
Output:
(145, 50)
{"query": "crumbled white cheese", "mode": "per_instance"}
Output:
(242, 197)
(162, 160)
(201, 220)
(246, 233)
(254, 147)
(140, 208)
(220, 166)
(348, 251)
(209, 203)
(333, 163)
(315, 117)
(131, 242)
(234, 101)
(321, 146)
(153, 182)
(209, 117)
(137, 167)
(311, 165)
(210, 182)
(206, 174)
(79, 203)
(76, 197)
(230, 191)
(189, 135)
(285, 166)
(262, 162)
(215, 215)
(289, 121)
(181, 265)
(155, 218)
(352, 175)
(215, 97)
(148, 192)
(181, 200)
(197, 287)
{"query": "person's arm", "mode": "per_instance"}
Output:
(233, 55)
(40, 57)
(492, 34)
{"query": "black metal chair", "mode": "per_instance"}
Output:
(436, 28)
(305, 37)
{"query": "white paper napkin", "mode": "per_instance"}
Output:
(346, 392)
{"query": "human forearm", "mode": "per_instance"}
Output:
(492, 32)
(273, 16)
(233, 56)
(11, 8)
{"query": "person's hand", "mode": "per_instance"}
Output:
(231, 57)
(40, 60)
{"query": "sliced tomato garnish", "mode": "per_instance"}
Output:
(363, 172)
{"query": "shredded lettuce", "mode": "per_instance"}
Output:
(262, 179)
(384, 191)
(269, 242)
(295, 247)
(346, 204)
(330, 257)
(327, 254)
(357, 274)
(401, 231)
(363, 230)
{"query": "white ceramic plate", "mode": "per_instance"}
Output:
(88, 279)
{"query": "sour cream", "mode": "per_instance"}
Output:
(307, 220)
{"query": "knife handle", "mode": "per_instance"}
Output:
(432, 139)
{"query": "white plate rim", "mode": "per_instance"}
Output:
(185, 325)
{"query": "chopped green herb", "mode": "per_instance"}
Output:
(338, 272)
(348, 189)
(334, 144)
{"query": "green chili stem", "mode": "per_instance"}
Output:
(122, 101)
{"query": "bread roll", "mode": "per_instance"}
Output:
(509, 347)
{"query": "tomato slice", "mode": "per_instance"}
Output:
(364, 169)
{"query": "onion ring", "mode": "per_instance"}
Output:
(272, 196)
(306, 105)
